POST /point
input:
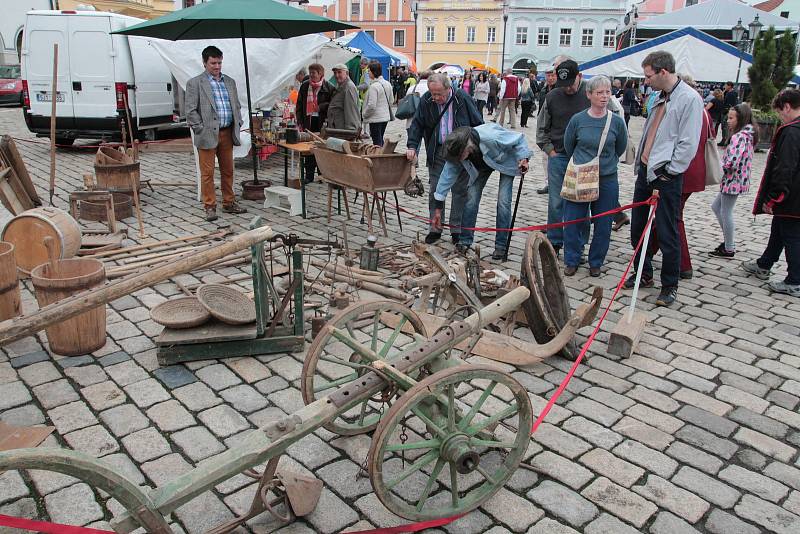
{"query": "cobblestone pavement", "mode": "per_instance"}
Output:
(698, 432)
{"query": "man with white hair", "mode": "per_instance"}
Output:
(440, 111)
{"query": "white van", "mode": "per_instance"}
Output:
(97, 72)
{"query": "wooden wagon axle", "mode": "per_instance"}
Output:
(442, 418)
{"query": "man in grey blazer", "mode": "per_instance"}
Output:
(214, 114)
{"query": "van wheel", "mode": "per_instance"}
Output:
(148, 135)
(66, 141)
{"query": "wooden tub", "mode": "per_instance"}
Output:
(374, 173)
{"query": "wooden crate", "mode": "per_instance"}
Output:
(373, 174)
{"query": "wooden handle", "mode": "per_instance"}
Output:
(50, 245)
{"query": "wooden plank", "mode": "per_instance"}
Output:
(19, 190)
(22, 437)
(7, 194)
(229, 349)
(211, 331)
(9, 151)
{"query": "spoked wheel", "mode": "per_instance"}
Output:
(450, 443)
(330, 363)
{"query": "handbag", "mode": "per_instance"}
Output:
(582, 181)
(407, 106)
(629, 158)
(713, 164)
(391, 113)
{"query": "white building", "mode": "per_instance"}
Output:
(11, 24)
(537, 31)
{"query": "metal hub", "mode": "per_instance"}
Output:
(456, 449)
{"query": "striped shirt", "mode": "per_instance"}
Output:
(222, 101)
(446, 123)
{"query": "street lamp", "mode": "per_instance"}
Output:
(415, 12)
(755, 29)
(738, 37)
(505, 36)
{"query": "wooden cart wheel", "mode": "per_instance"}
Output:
(472, 419)
(330, 363)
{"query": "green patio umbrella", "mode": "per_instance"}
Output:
(225, 19)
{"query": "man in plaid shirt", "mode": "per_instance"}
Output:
(214, 114)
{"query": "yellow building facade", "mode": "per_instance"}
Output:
(456, 31)
(143, 9)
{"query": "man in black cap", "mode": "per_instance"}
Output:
(567, 98)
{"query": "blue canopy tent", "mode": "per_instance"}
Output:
(369, 48)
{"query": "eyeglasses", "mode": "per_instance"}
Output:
(647, 77)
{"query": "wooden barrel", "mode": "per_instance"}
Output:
(96, 211)
(9, 283)
(117, 177)
(83, 333)
(27, 231)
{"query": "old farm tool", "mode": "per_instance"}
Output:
(474, 421)
(547, 310)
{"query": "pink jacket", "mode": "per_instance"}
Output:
(737, 163)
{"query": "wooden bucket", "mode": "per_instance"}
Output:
(27, 231)
(83, 333)
(117, 177)
(96, 211)
(9, 283)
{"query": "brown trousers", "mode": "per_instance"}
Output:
(224, 155)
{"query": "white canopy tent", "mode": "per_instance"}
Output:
(715, 15)
(273, 63)
(697, 54)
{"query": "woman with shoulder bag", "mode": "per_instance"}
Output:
(598, 135)
(377, 110)
(736, 166)
(481, 92)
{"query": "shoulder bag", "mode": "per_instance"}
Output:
(391, 113)
(407, 106)
(582, 181)
(711, 153)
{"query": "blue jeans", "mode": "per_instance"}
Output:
(666, 225)
(574, 239)
(458, 194)
(556, 168)
(503, 213)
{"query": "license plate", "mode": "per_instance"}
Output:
(47, 97)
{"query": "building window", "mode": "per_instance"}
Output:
(430, 34)
(521, 35)
(609, 38)
(355, 8)
(543, 38)
(470, 34)
(451, 34)
(400, 38)
(565, 37)
(339, 33)
(587, 37)
(371, 33)
(491, 34)
(785, 14)
(381, 8)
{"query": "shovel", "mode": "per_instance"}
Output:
(625, 337)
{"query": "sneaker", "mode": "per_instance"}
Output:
(687, 275)
(667, 296)
(543, 190)
(753, 268)
(433, 237)
(594, 272)
(570, 270)
(211, 214)
(455, 238)
(622, 221)
(498, 254)
(722, 252)
(631, 281)
(234, 208)
(777, 286)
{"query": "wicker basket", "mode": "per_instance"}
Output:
(183, 312)
(226, 303)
